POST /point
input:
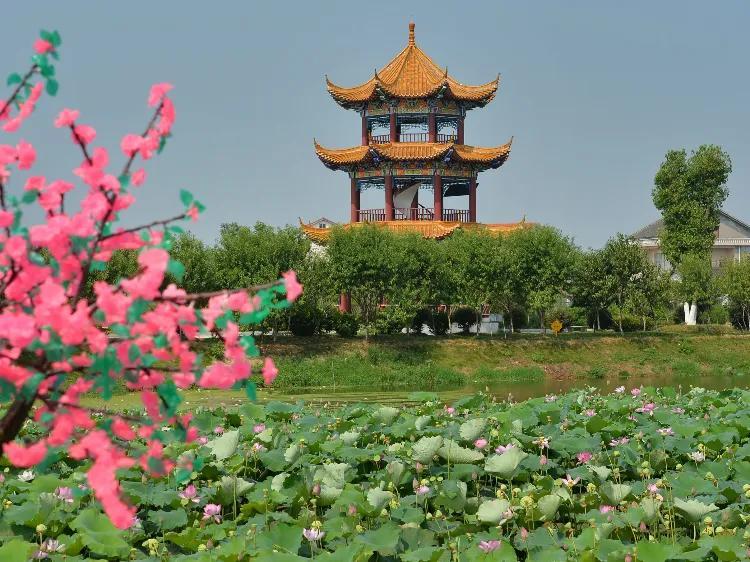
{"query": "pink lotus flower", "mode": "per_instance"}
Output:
(678, 410)
(313, 534)
(489, 546)
(550, 398)
(480, 443)
(543, 460)
(422, 490)
(647, 409)
(212, 511)
(450, 410)
(500, 449)
(352, 511)
(620, 390)
(665, 431)
(606, 509)
(620, 441)
(218, 430)
(202, 440)
(589, 413)
(190, 493)
(653, 488)
(524, 533)
(570, 481)
(584, 457)
(259, 428)
(636, 392)
(64, 494)
(257, 448)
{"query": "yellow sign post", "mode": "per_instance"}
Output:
(556, 326)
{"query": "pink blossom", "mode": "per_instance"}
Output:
(550, 398)
(450, 410)
(489, 546)
(84, 133)
(500, 449)
(212, 511)
(259, 428)
(26, 155)
(584, 457)
(25, 456)
(257, 448)
(647, 409)
(480, 443)
(570, 482)
(524, 533)
(665, 431)
(218, 430)
(589, 413)
(6, 219)
(422, 490)
(606, 509)
(543, 460)
(42, 47)
(620, 390)
(678, 410)
(66, 117)
(138, 177)
(157, 93)
(270, 372)
(192, 212)
(292, 286)
(130, 144)
(635, 392)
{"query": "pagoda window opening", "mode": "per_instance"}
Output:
(447, 129)
(379, 129)
(413, 128)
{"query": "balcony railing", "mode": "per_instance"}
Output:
(413, 137)
(413, 213)
(446, 138)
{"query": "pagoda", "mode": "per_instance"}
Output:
(413, 115)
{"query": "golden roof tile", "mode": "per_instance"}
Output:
(412, 74)
(419, 151)
(436, 230)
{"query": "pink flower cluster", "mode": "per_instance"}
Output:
(48, 303)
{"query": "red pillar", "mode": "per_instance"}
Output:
(389, 215)
(365, 132)
(415, 206)
(437, 188)
(345, 302)
(460, 135)
(432, 126)
(394, 129)
(473, 200)
(355, 201)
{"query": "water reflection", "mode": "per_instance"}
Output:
(518, 390)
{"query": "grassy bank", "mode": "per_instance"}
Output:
(433, 363)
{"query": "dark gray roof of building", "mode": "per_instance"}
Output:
(654, 229)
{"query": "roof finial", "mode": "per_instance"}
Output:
(411, 33)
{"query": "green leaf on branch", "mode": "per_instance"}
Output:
(186, 197)
(52, 87)
(176, 269)
(14, 78)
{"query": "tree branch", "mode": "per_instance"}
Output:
(18, 89)
(163, 222)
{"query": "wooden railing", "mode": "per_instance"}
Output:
(446, 138)
(413, 213)
(414, 137)
(380, 139)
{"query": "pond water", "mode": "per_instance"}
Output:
(518, 390)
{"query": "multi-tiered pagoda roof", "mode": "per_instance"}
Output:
(412, 140)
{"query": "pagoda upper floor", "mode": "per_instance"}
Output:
(410, 77)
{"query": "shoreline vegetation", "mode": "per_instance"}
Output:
(391, 367)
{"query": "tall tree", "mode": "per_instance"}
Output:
(542, 262)
(689, 192)
(362, 264)
(591, 286)
(734, 282)
(695, 286)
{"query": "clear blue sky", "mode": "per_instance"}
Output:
(594, 92)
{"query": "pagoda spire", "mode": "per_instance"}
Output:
(411, 33)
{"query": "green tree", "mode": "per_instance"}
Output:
(689, 192)
(591, 286)
(734, 282)
(198, 260)
(362, 264)
(626, 267)
(245, 256)
(541, 262)
(695, 285)
(319, 296)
